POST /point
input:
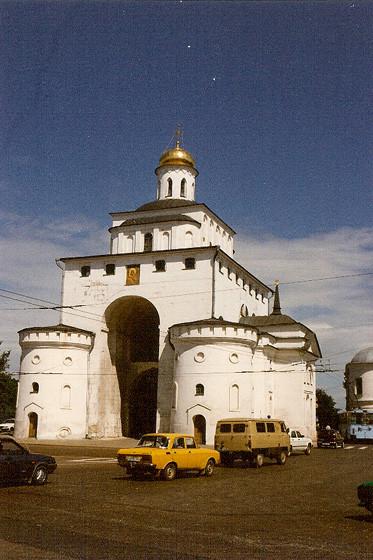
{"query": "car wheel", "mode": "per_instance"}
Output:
(290, 451)
(40, 475)
(281, 459)
(209, 468)
(259, 460)
(307, 451)
(342, 444)
(169, 472)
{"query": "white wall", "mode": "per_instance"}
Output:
(266, 386)
(59, 364)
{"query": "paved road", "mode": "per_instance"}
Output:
(91, 510)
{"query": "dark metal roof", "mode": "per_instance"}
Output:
(212, 322)
(166, 203)
(156, 219)
(173, 203)
(118, 256)
(254, 322)
(60, 327)
(268, 320)
(265, 322)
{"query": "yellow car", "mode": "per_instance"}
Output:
(166, 454)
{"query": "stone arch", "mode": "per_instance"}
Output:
(133, 341)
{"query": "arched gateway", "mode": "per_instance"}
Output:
(133, 341)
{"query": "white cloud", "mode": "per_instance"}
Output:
(28, 249)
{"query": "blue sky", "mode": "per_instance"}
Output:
(275, 102)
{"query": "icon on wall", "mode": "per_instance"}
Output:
(133, 275)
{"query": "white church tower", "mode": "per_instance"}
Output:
(166, 331)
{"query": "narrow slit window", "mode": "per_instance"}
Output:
(182, 188)
(169, 187)
(359, 386)
(200, 390)
(148, 242)
(35, 387)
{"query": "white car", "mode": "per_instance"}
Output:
(7, 427)
(299, 443)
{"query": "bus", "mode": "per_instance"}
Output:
(356, 425)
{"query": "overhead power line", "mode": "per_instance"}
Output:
(327, 278)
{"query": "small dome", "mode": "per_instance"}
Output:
(364, 356)
(177, 156)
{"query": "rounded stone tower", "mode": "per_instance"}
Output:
(53, 383)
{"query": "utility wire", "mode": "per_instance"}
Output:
(185, 374)
(326, 278)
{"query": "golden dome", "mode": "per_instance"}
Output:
(177, 156)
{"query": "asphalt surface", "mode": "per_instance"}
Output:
(91, 510)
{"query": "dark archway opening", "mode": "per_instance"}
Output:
(199, 423)
(134, 348)
(143, 403)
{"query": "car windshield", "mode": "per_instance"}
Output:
(153, 441)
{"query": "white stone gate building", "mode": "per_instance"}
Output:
(173, 333)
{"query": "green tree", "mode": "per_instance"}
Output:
(326, 412)
(8, 388)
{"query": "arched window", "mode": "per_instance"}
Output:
(130, 244)
(359, 386)
(35, 387)
(165, 240)
(200, 390)
(234, 397)
(189, 239)
(175, 395)
(169, 189)
(66, 396)
(148, 242)
(182, 187)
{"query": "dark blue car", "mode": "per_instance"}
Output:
(17, 464)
